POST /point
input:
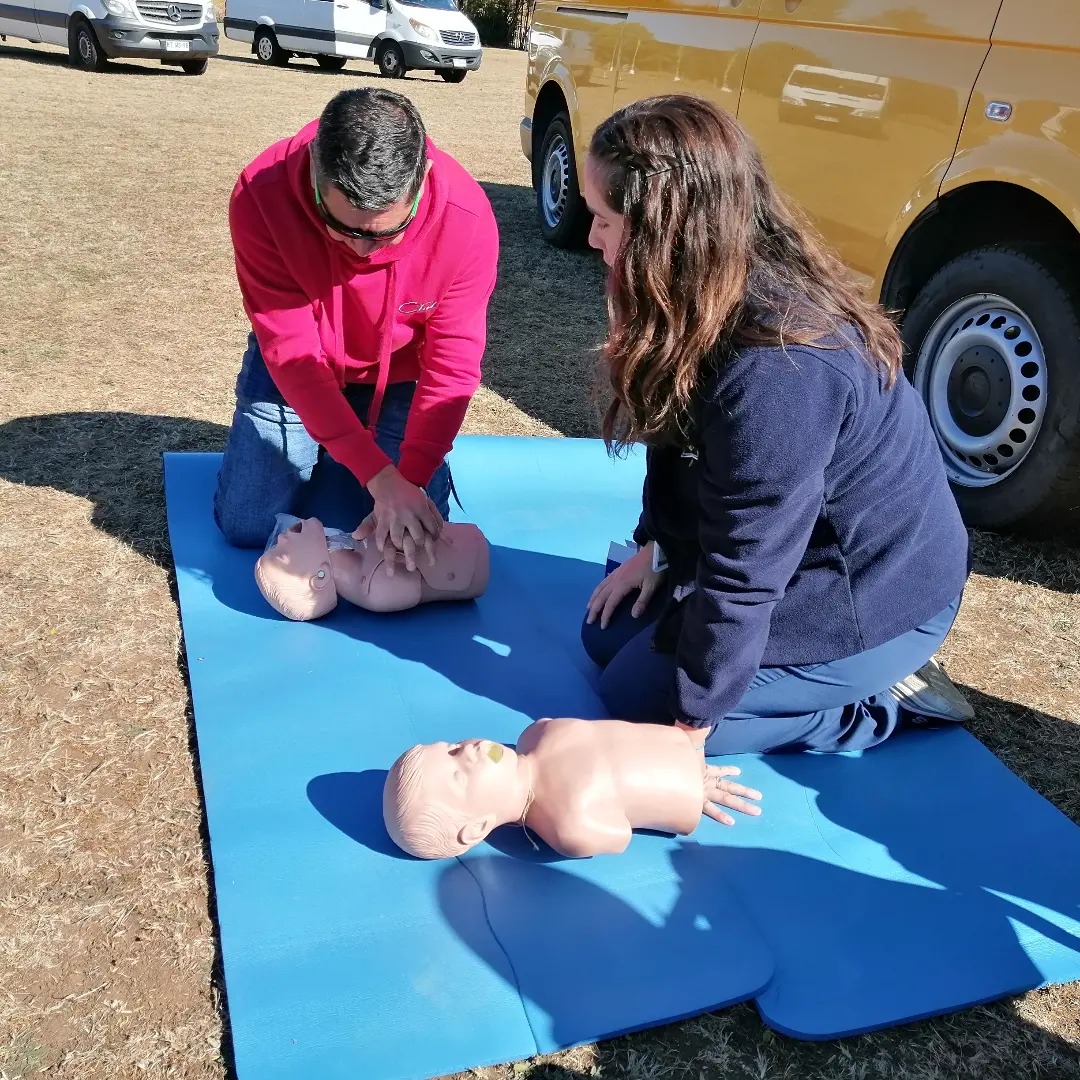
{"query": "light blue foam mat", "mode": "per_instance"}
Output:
(919, 878)
(344, 959)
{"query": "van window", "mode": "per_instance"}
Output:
(437, 5)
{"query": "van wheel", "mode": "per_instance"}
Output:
(564, 217)
(331, 63)
(268, 50)
(194, 67)
(83, 48)
(453, 76)
(993, 346)
(391, 60)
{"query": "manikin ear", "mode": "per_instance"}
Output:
(471, 834)
(322, 577)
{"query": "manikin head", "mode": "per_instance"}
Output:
(441, 799)
(295, 575)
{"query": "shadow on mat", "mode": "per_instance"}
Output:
(480, 646)
(352, 802)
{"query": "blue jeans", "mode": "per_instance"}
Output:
(273, 466)
(833, 707)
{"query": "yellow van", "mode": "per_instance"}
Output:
(935, 144)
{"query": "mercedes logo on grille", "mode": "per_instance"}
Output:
(174, 13)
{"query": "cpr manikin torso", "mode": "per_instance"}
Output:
(583, 786)
(306, 568)
(595, 782)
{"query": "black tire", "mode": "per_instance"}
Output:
(391, 60)
(331, 63)
(195, 67)
(564, 218)
(453, 76)
(83, 48)
(993, 345)
(267, 50)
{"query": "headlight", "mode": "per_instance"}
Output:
(117, 7)
(211, 13)
(424, 30)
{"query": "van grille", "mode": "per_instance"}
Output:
(165, 11)
(457, 37)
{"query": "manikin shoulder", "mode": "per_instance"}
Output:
(596, 829)
(554, 732)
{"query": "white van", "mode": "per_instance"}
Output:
(421, 35)
(184, 33)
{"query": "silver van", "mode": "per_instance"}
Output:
(179, 32)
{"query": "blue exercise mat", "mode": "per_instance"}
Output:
(343, 958)
(916, 879)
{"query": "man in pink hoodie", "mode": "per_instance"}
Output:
(366, 259)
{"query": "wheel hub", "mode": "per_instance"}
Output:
(555, 182)
(982, 373)
(979, 390)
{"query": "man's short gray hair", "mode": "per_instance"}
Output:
(371, 145)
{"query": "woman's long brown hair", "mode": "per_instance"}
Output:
(713, 259)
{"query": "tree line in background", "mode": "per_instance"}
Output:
(501, 23)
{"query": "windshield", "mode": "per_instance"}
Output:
(438, 5)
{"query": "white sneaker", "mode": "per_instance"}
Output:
(930, 692)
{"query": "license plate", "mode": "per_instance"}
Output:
(177, 46)
(459, 61)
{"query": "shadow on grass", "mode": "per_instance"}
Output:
(30, 55)
(303, 65)
(1050, 564)
(547, 321)
(113, 459)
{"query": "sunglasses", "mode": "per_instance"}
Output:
(362, 234)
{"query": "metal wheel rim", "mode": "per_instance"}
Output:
(555, 182)
(983, 340)
(266, 48)
(85, 51)
(390, 60)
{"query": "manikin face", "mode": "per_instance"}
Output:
(475, 776)
(607, 228)
(297, 570)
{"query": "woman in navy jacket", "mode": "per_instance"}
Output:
(802, 557)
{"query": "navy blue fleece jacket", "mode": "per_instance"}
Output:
(812, 514)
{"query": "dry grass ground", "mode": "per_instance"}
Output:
(120, 333)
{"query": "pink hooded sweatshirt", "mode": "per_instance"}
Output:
(324, 317)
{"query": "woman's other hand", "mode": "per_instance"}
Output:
(720, 792)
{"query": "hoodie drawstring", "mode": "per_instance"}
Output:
(386, 342)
